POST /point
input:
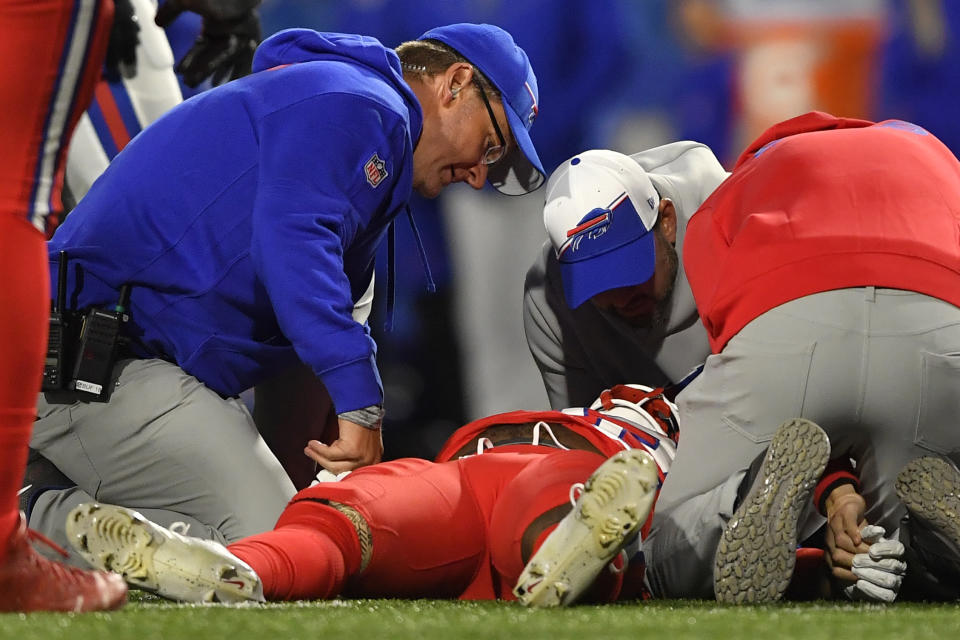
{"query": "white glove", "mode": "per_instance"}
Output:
(326, 476)
(879, 571)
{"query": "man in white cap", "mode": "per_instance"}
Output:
(607, 300)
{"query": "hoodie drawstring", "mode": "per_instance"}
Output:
(391, 276)
(391, 265)
(431, 286)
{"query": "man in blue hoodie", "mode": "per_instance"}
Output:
(238, 233)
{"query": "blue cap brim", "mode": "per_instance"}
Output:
(520, 171)
(628, 265)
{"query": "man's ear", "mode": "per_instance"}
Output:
(455, 78)
(668, 220)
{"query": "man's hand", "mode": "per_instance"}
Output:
(845, 509)
(224, 50)
(356, 447)
(858, 555)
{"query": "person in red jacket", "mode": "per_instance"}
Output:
(826, 270)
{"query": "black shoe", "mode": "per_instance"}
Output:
(757, 551)
(41, 474)
(930, 490)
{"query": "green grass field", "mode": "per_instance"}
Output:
(146, 618)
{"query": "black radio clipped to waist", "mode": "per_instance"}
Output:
(82, 345)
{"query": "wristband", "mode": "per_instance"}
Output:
(369, 417)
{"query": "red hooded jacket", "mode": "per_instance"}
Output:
(819, 203)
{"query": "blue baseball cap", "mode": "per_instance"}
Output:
(599, 213)
(493, 51)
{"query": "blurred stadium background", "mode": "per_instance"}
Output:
(625, 75)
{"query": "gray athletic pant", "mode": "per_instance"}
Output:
(166, 445)
(877, 369)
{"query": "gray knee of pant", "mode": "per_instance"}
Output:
(682, 543)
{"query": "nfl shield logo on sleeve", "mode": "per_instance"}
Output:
(376, 170)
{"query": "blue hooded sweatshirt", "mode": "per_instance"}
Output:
(247, 218)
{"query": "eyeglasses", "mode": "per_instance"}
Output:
(494, 153)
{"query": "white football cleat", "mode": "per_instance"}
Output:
(155, 559)
(615, 502)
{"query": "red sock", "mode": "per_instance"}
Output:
(24, 311)
(300, 561)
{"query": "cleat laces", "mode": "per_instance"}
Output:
(36, 536)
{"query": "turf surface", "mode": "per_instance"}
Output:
(146, 618)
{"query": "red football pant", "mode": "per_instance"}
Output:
(463, 528)
(51, 52)
(24, 312)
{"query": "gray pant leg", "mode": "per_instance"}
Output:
(49, 515)
(728, 416)
(877, 370)
(685, 541)
(165, 444)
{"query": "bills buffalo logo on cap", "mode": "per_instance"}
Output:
(591, 227)
(375, 170)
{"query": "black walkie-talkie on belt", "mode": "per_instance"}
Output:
(97, 349)
(82, 345)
